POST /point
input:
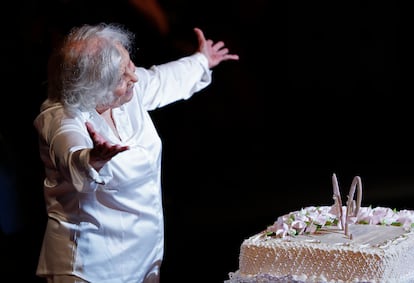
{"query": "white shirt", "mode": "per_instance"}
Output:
(107, 226)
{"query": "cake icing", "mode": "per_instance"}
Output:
(332, 244)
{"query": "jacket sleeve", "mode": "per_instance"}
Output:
(177, 80)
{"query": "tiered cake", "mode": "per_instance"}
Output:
(332, 244)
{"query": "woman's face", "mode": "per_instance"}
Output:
(124, 91)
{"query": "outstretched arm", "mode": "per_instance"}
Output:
(216, 52)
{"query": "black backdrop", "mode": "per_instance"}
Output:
(331, 96)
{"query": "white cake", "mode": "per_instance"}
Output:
(328, 244)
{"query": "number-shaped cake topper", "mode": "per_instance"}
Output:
(352, 207)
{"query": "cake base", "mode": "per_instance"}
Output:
(236, 277)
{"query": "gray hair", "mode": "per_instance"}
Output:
(84, 72)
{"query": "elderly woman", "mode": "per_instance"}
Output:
(102, 154)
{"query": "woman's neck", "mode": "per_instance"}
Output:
(107, 116)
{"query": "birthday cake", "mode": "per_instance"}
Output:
(331, 244)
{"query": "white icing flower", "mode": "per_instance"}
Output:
(310, 219)
(406, 218)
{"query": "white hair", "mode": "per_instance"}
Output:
(85, 70)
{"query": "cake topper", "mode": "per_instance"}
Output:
(352, 207)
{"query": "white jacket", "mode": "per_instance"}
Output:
(107, 226)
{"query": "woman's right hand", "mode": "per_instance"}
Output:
(102, 150)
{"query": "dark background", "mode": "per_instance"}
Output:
(331, 96)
